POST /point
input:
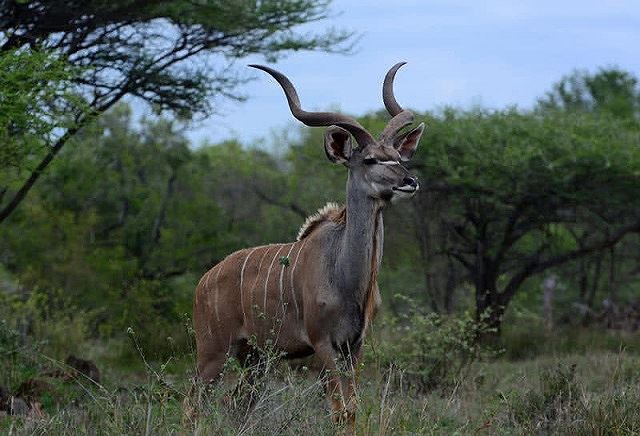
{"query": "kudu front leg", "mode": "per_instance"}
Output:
(331, 380)
(351, 396)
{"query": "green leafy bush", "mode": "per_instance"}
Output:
(435, 351)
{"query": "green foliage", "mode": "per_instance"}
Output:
(53, 318)
(30, 80)
(608, 91)
(433, 351)
(160, 52)
(16, 363)
(35, 100)
(156, 50)
(532, 190)
(506, 158)
(128, 245)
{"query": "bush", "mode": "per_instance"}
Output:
(432, 350)
(50, 318)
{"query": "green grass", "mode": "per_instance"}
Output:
(559, 389)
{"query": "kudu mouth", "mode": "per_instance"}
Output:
(405, 188)
(408, 188)
(400, 117)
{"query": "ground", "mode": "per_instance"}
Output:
(586, 385)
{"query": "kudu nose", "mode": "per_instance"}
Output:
(411, 181)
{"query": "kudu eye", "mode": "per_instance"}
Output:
(370, 161)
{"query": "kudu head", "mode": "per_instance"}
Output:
(375, 166)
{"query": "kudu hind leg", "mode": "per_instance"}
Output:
(208, 373)
(253, 367)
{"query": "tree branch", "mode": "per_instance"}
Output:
(55, 149)
(536, 266)
(292, 206)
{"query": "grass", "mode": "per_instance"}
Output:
(559, 389)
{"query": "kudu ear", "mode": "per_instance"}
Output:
(337, 144)
(407, 143)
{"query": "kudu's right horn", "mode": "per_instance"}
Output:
(318, 119)
(401, 117)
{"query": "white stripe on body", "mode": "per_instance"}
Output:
(207, 277)
(266, 282)
(281, 276)
(244, 315)
(215, 296)
(293, 294)
(206, 288)
(255, 282)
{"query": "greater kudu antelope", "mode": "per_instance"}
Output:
(320, 293)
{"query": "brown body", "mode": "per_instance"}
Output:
(320, 293)
(281, 293)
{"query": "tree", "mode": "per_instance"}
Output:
(610, 90)
(28, 81)
(129, 216)
(527, 192)
(162, 52)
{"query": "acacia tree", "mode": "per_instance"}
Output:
(27, 82)
(174, 54)
(528, 192)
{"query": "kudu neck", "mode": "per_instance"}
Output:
(361, 240)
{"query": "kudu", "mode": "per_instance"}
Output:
(320, 293)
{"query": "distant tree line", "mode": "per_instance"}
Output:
(120, 218)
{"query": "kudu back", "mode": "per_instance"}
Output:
(319, 293)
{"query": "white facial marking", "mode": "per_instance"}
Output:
(383, 162)
(377, 187)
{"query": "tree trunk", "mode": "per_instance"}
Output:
(450, 286)
(489, 308)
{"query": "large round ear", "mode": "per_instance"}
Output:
(337, 144)
(407, 143)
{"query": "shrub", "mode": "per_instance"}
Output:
(434, 351)
(50, 318)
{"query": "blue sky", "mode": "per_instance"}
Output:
(494, 53)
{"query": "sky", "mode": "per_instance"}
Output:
(494, 53)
